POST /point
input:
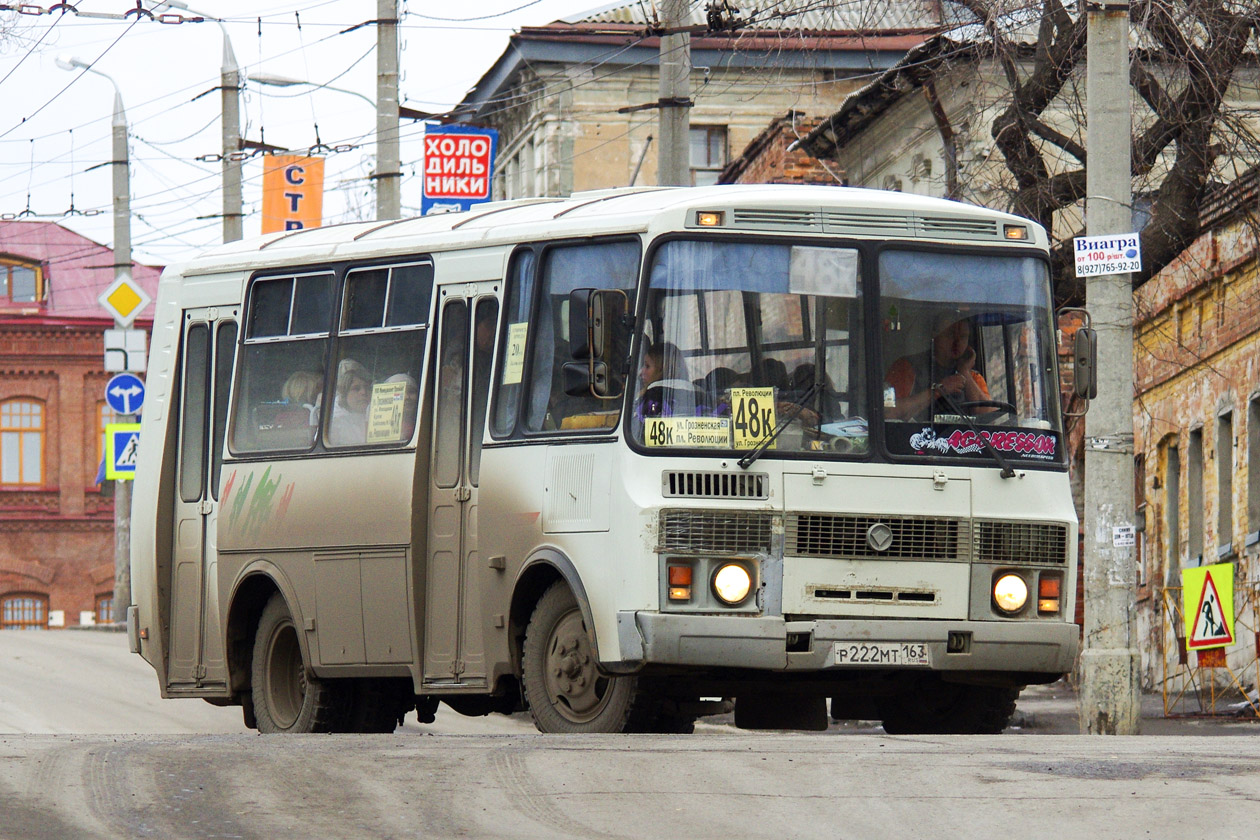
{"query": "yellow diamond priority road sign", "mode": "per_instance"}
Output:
(124, 299)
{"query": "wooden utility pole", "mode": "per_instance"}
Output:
(1110, 688)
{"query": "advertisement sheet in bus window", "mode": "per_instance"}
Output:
(514, 363)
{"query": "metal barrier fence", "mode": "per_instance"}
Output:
(1205, 683)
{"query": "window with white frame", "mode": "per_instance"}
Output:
(21, 442)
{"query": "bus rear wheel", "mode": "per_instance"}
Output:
(285, 697)
(563, 685)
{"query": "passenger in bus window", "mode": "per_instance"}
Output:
(302, 393)
(349, 415)
(664, 387)
(948, 367)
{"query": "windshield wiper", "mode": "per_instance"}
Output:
(1006, 472)
(771, 436)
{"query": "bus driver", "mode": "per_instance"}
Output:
(947, 367)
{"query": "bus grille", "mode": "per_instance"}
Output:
(844, 537)
(691, 484)
(1020, 542)
(723, 532)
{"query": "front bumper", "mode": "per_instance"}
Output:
(761, 643)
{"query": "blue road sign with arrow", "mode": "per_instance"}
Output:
(125, 393)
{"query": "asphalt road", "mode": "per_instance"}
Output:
(155, 768)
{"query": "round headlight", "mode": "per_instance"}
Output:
(1010, 593)
(732, 583)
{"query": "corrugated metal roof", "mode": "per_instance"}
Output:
(810, 15)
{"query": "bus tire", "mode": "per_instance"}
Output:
(936, 707)
(285, 697)
(564, 688)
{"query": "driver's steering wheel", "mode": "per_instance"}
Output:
(1001, 406)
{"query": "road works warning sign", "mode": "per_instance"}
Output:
(1208, 606)
(458, 166)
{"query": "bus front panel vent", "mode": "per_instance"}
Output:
(857, 537)
(696, 484)
(856, 222)
(712, 531)
(955, 227)
(1021, 542)
(775, 219)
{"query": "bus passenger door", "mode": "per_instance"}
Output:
(196, 646)
(454, 650)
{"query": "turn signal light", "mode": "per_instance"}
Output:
(1015, 231)
(1048, 594)
(709, 218)
(680, 583)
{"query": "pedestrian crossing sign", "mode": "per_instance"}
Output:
(1208, 605)
(122, 442)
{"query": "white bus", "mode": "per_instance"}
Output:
(608, 458)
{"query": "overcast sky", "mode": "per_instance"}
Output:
(55, 125)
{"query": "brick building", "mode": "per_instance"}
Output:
(56, 523)
(1196, 420)
(767, 159)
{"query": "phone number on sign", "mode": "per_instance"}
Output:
(1122, 267)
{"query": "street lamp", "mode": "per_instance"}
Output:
(230, 88)
(273, 80)
(122, 269)
(122, 189)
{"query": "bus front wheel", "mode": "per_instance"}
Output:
(285, 697)
(563, 685)
(935, 707)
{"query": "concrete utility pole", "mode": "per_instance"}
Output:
(388, 175)
(1110, 687)
(230, 87)
(230, 124)
(122, 267)
(673, 160)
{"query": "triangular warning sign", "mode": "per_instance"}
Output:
(1213, 627)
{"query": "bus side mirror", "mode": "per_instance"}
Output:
(1085, 363)
(595, 335)
(589, 378)
(586, 323)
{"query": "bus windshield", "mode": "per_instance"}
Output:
(740, 339)
(967, 341)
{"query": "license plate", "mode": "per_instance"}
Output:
(881, 654)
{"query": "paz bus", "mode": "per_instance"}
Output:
(619, 459)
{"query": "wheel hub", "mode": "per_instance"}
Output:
(574, 684)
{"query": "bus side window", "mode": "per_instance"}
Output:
(277, 401)
(606, 265)
(513, 343)
(379, 350)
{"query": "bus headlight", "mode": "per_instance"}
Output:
(1010, 593)
(732, 583)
